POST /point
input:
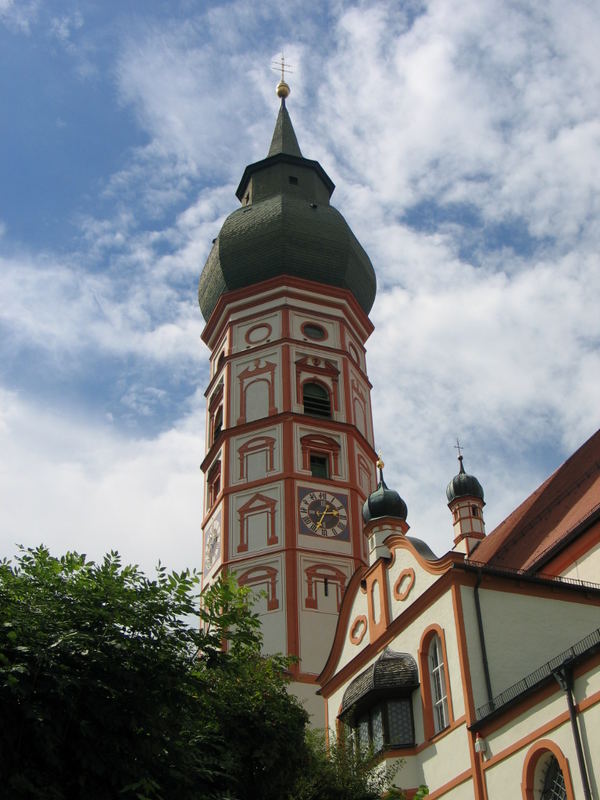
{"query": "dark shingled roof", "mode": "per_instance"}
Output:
(422, 548)
(286, 227)
(463, 485)
(392, 673)
(384, 502)
(284, 137)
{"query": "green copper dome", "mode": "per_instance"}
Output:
(383, 502)
(285, 227)
(463, 485)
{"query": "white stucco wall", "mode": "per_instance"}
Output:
(586, 568)
(522, 632)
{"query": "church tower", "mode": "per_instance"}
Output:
(285, 292)
(465, 501)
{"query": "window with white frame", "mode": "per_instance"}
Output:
(439, 694)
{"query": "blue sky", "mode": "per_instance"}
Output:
(464, 141)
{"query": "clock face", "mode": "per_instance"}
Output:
(212, 543)
(323, 513)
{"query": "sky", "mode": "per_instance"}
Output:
(463, 137)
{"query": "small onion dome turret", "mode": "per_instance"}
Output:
(463, 485)
(384, 502)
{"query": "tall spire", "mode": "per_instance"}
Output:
(284, 139)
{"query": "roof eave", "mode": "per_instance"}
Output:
(283, 158)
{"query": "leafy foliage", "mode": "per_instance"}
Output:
(106, 690)
(340, 771)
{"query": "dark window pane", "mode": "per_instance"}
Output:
(400, 722)
(377, 728)
(319, 466)
(313, 331)
(218, 423)
(316, 400)
(363, 734)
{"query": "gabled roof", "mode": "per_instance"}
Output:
(566, 502)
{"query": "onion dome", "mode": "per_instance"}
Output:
(285, 226)
(384, 502)
(463, 485)
(392, 673)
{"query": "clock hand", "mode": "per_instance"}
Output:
(320, 522)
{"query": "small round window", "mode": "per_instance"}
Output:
(314, 331)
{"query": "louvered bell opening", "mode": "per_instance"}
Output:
(317, 402)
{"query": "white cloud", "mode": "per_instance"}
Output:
(63, 27)
(508, 364)
(18, 15)
(490, 107)
(483, 103)
(142, 302)
(78, 486)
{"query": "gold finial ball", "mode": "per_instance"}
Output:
(380, 464)
(282, 89)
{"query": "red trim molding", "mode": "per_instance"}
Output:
(258, 575)
(404, 584)
(532, 759)
(358, 629)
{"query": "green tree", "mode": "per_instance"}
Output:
(340, 771)
(107, 690)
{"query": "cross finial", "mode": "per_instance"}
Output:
(282, 90)
(276, 65)
(458, 447)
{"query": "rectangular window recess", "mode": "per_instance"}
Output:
(319, 466)
(293, 180)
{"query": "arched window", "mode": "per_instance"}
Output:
(213, 483)
(546, 773)
(316, 399)
(437, 677)
(554, 781)
(217, 423)
(435, 689)
(215, 411)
